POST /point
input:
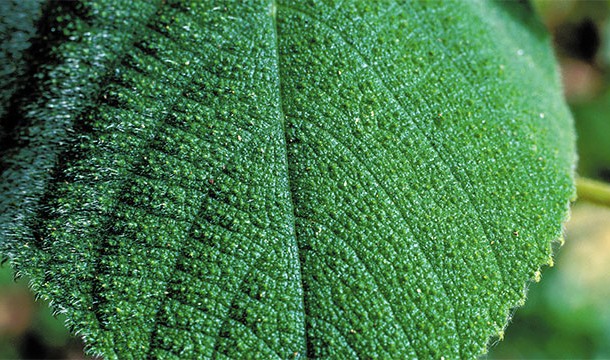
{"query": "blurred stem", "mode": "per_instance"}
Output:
(593, 191)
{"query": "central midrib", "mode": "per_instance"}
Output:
(273, 8)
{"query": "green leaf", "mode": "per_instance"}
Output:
(259, 179)
(17, 31)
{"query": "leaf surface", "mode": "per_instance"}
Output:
(291, 179)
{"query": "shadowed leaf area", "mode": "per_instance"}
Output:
(292, 179)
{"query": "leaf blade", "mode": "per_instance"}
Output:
(378, 194)
(450, 147)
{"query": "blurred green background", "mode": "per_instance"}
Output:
(567, 314)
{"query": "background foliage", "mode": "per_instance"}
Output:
(566, 316)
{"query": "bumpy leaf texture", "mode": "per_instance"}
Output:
(287, 179)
